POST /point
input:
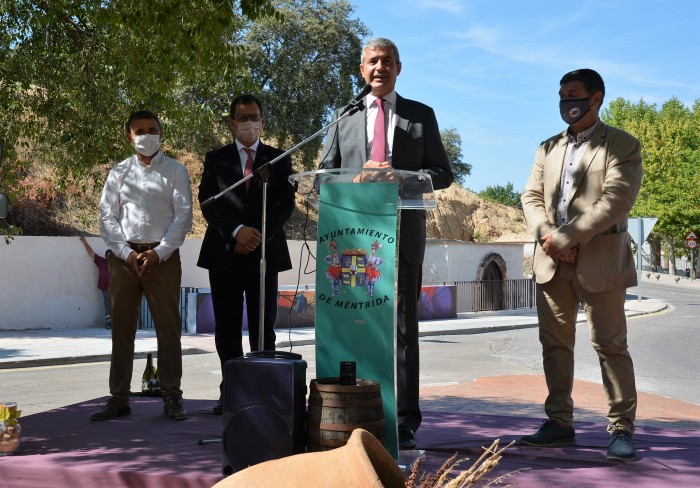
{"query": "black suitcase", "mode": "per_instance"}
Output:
(264, 408)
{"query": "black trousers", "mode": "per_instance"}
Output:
(407, 354)
(227, 291)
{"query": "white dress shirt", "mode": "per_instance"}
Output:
(244, 155)
(574, 153)
(244, 158)
(389, 120)
(146, 204)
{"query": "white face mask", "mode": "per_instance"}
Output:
(147, 144)
(250, 131)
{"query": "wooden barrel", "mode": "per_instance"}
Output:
(336, 410)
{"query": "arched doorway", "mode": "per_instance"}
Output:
(491, 273)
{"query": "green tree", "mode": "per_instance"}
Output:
(71, 71)
(303, 68)
(501, 194)
(453, 145)
(5, 229)
(670, 138)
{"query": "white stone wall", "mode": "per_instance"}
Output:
(50, 282)
(450, 261)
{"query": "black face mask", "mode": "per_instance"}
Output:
(574, 110)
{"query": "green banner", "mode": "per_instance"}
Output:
(356, 287)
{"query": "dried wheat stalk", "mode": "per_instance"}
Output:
(467, 478)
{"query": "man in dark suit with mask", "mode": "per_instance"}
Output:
(231, 249)
(409, 140)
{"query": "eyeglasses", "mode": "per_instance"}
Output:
(246, 118)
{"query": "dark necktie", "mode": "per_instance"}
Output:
(248, 165)
(379, 140)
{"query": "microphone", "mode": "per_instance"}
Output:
(356, 103)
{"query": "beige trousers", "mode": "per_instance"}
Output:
(557, 308)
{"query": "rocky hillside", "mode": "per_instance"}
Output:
(463, 216)
(45, 209)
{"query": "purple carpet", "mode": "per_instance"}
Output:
(665, 457)
(63, 448)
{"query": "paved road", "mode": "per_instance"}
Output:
(663, 346)
(460, 363)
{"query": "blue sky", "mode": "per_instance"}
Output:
(491, 68)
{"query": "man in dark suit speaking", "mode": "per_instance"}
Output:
(394, 132)
(231, 249)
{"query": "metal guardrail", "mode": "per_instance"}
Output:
(476, 296)
(472, 296)
(146, 320)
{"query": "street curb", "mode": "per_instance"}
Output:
(650, 312)
(477, 330)
(96, 358)
(62, 361)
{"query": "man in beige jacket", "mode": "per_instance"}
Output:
(576, 203)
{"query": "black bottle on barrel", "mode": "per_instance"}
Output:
(348, 373)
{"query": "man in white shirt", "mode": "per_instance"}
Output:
(145, 214)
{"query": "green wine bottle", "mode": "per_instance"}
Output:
(150, 386)
(157, 384)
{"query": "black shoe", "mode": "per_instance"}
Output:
(218, 407)
(551, 434)
(174, 409)
(112, 409)
(621, 447)
(407, 438)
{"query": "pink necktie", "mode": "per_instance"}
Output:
(248, 165)
(379, 140)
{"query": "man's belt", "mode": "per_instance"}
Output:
(141, 247)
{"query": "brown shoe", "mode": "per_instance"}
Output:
(174, 409)
(112, 409)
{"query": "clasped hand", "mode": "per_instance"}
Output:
(142, 262)
(247, 240)
(551, 250)
(369, 176)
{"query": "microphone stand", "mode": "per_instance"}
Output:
(263, 264)
(263, 172)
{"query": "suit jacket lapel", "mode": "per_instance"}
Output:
(358, 128)
(555, 162)
(262, 156)
(594, 144)
(403, 116)
(229, 168)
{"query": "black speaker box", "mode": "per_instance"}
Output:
(264, 409)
